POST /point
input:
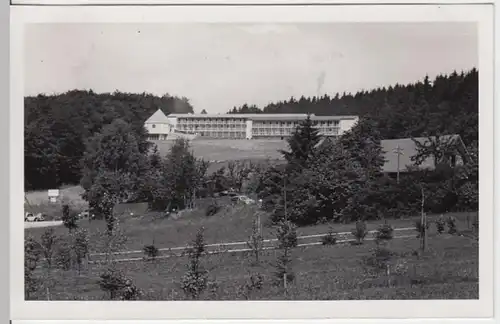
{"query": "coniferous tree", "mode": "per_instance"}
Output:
(302, 144)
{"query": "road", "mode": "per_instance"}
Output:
(235, 247)
(42, 224)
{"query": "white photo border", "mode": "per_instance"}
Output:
(140, 310)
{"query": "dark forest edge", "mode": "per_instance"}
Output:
(57, 128)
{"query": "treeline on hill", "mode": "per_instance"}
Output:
(448, 104)
(57, 127)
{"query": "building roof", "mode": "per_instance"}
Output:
(409, 149)
(263, 116)
(158, 117)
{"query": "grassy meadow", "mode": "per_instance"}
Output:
(232, 223)
(231, 149)
(447, 270)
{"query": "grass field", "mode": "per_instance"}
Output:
(226, 150)
(447, 270)
(232, 223)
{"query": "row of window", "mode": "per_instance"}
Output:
(255, 123)
(274, 130)
(216, 127)
(156, 137)
(203, 120)
(223, 134)
(284, 131)
(295, 123)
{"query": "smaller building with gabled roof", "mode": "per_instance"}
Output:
(158, 126)
(399, 153)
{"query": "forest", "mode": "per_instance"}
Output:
(57, 127)
(446, 105)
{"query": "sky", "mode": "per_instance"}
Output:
(219, 66)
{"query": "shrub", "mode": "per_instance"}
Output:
(452, 225)
(194, 282)
(118, 286)
(256, 242)
(284, 268)
(130, 291)
(330, 238)
(380, 261)
(212, 209)
(287, 234)
(31, 258)
(80, 247)
(287, 238)
(69, 218)
(48, 243)
(440, 224)
(475, 224)
(385, 232)
(63, 257)
(151, 251)
(420, 228)
(359, 232)
(254, 283)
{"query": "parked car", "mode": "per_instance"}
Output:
(243, 199)
(30, 217)
(86, 214)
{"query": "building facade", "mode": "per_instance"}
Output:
(158, 126)
(243, 126)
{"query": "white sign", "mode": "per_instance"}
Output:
(53, 192)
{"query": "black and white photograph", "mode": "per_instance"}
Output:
(248, 161)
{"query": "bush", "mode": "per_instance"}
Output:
(284, 268)
(287, 234)
(69, 218)
(420, 228)
(212, 209)
(151, 251)
(256, 242)
(359, 232)
(31, 257)
(330, 238)
(48, 243)
(80, 247)
(287, 238)
(452, 225)
(440, 224)
(130, 291)
(118, 286)
(194, 282)
(380, 262)
(254, 283)
(385, 232)
(63, 257)
(475, 224)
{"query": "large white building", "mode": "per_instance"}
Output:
(240, 126)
